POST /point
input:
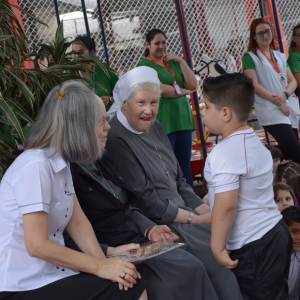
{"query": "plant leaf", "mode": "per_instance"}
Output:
(11, 117)
(5, 37)
(28, 14)
(19, 110)
(59, 36)
(22, 86)
(8, 143)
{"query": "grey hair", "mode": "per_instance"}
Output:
(145, 86)
(68, 126)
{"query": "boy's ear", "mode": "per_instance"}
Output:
(283, 180)
(227, 114)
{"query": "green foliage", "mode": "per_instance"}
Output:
(23, 91)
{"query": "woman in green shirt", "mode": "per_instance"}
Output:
(294, 57)
(107, 84)
(174, 109)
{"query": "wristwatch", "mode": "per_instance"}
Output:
(111, 100)
(190, 218)
(287, 94)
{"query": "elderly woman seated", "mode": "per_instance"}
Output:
(105, 199)
(140, 149)
(38, 203)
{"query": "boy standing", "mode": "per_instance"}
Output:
(238, 171)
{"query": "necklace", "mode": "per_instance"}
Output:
(166, 170)
(108, 184)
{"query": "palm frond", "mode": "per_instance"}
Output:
(23, 91)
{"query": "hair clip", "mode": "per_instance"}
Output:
(60, 95)
(284, 162)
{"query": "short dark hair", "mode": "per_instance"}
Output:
(275, 152)
(235, 91)
(150, 36)
(88, 42)
(291, 214)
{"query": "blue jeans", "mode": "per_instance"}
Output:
(181, 142)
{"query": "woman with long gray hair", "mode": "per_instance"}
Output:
(38, 203)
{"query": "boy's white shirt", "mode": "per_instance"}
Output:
(294, 276)
(242, 162)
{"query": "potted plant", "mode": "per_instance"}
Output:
(23, 91)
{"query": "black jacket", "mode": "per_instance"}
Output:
(114, 223)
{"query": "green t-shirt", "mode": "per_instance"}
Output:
(248, 62)
(294, 62)
(174, 113)
(105, 82)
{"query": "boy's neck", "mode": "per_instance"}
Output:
(233, 129)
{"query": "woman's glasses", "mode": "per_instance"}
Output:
(261, 34)
(105, 119)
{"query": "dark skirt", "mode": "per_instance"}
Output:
(83, 286)
(178, 277)
(197, 237)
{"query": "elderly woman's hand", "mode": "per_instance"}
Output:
(202, 219)
(202, 209)
(118, 270)
(162, 233)
(121, 249)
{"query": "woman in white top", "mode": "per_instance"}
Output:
(38, 203)
(276, 105)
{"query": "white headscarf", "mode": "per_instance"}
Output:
(128, 82)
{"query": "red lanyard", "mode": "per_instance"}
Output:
(297, 48)
(169, 68)
(274, 63)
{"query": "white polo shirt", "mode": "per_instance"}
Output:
(242, 162)
(34, 182)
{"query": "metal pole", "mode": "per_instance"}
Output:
(267, 138)
(182, 25)
(261, 8)
(103, 33)
(85, 19)
(56, 12)
(275, 12)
